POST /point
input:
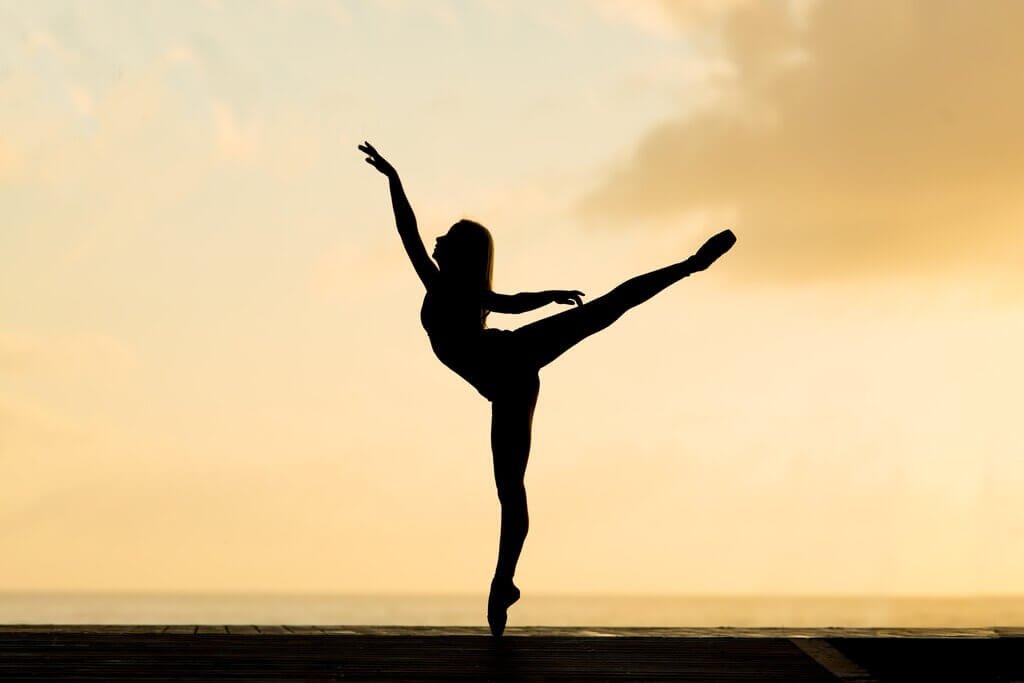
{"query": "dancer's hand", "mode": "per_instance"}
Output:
(567, 297)
(711, 250)
(374, 158)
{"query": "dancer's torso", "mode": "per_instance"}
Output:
(454, 322)
(485, 357)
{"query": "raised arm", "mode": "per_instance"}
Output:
(528, 301)
(405, 219)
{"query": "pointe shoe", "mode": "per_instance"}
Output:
(496, 619)
(498, 603)
(711, 250)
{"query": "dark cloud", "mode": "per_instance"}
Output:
(856, 138)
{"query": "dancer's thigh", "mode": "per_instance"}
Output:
(511, 425)
(542, 341)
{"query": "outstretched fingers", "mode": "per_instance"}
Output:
(569, 297)
(372, 155)
(374, 158)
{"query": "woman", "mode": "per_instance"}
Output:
(502, 365)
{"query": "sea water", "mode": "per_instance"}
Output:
(532, 610)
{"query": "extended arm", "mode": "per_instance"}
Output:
(528, 301)
(405, 219)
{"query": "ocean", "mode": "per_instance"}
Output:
(532, 610)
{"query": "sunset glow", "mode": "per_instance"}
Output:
(212, 366)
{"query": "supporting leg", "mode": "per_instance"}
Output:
(511, 424)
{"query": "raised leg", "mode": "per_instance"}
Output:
(511, 424)
(547, 339)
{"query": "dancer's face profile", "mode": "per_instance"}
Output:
(439, 248)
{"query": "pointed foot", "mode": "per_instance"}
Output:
(711, 250)
(496, 620)
(501, 598)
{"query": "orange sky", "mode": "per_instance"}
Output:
(212, 375)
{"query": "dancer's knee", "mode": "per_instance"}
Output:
(513, 495)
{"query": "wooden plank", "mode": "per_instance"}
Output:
(340, 630)
(111, 652)
(834, 661)
(935, 659)
(103, 628)
(413, 655)
(304, 630)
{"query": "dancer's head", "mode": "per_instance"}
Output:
(465, 255)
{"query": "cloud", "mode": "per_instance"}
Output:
(42, 40)
(67, 353)
(666, 18)
(10, 162)
(851, 139)
(235, 141)
(82, 100)
(651, 16)
(23, 422)
(181, 54)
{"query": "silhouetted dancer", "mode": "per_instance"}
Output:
(503, 365)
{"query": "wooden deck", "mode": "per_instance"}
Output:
(361, 653)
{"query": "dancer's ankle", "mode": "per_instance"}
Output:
(504, 591)
(501, 581)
